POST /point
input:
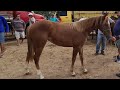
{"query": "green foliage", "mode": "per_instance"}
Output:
(47, 14)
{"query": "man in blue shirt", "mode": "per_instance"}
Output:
(53, 19)
(3, 28)
(117, 39)
(116, 32)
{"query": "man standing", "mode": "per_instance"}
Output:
(116, 32)
(31, 19)
(3, 28)
(117, 38)
(19, 27)
(101, 39)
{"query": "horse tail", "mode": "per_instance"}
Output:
(30, 53)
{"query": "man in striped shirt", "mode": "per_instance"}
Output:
(19, 28)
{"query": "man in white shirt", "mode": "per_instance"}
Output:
(31, 19)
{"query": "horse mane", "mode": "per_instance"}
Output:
(87, 23)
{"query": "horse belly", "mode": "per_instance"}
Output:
(65, 42)
(63, 36)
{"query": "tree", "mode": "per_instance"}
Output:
(47, 14)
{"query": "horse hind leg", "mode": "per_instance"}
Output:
(75, 51)
(38, 52)
(81, 58)
(27, 65)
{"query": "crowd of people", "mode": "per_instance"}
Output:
(19, 27)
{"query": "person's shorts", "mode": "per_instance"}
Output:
(2, 37)
(117, 43)
(19, 34)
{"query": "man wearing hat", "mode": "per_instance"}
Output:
(31, 19)
(101, 39)
(19, 26)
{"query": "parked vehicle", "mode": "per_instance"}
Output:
(10, 15)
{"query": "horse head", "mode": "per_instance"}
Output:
(104, 25)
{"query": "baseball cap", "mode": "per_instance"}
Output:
(30, 14)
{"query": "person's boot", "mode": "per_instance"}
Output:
(102, 52)
(117, 59)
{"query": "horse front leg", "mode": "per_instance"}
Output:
(81, 58)
(75, 51)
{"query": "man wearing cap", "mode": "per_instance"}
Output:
(31, 19)
(101, 39)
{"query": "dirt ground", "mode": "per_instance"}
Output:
(55, 63)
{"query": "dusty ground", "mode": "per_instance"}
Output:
(55, 63)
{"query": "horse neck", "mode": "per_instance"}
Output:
(88, 25)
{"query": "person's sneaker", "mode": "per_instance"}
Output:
(118, 74)
(115, 58)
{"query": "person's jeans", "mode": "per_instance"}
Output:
(2, 37)
(101, 39)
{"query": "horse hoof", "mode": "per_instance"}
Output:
(28, 73)
(73, 74)
(42, 77)
(85, 71)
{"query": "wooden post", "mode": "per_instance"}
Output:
(72, 16)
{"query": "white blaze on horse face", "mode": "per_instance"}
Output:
(39, 73)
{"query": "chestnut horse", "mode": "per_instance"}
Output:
(62, 34)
